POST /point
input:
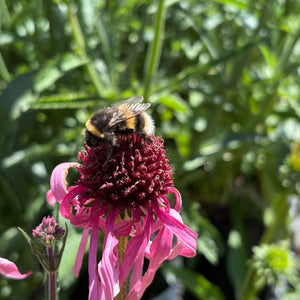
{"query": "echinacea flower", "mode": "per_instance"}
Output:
(10, 270)
(124, 195)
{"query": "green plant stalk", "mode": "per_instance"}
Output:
(154, 53)
(80, 41)
(51, 275)
(122, 245)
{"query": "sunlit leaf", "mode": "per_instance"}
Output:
(197, 284)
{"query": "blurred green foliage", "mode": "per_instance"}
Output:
(223, 80)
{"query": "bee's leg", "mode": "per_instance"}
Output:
(108, 155)
(112, 141)
(108, 152)
(145, 136)
(148, 139)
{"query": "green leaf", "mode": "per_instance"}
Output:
(61, 251)
(197, 284)
(241, 5)
(24, 90)
(236, 261)
(4, 13)
(69, 256)
(35, 251)
(209, 240)
(55, 69)
(174, 102)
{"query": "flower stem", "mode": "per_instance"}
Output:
(122, 245)
(51, 275)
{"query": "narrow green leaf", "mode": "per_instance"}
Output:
(236, 261)
(154, 52)
(61, 251)
(4, 13)
(56, 69)
(3, 69)
(174, 102)
(69, 256)
(35, 250)
(241, 5)
(24, 90)
(197, 284)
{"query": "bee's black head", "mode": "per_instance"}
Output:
(92, 140)
(100, 120)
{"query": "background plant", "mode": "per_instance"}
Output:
(223, 80)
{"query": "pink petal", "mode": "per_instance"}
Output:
(135, 248)
(50, 198)
(58, 181)
(159, 251)
(94, 284)
(9, 269)
(80, 252)
(109, 265)
(187, 236)
(137, 271)
(66, 208)
(102, 225)
(178, 201)
(180, 248)
(123, 228)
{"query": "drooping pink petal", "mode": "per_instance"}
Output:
(178, 201)
(135, 248)
(180, 248)
(137, 271)
(94, 284)
(159, 251)
(123, 228)
(182, 232)
(10, 270)
(109, 266)
(67, 204)
(80, 252)
(58, 181)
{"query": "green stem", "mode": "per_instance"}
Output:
(51, 275)
(80, 41)
(122, 245)
(154, 53)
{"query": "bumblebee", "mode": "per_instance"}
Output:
(127, 117)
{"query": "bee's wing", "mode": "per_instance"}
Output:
(137, 99)
(128, 109)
